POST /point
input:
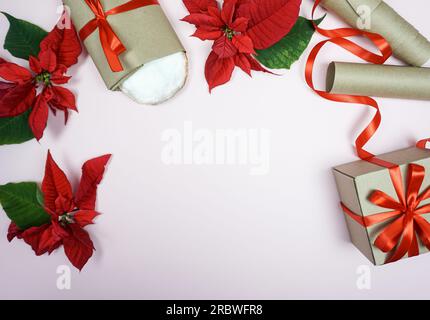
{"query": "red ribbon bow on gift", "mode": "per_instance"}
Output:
(111, 44)
(401, 233)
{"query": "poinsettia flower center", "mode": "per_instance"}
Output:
(66, 219)
(229, 33)
(44, 78)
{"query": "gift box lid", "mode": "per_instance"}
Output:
(400, 157)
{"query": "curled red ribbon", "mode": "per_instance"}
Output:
(338, 37)
(111, 44)
(401, 234)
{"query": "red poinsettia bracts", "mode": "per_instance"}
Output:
(238, 29)
(69, 214)
(39, 88)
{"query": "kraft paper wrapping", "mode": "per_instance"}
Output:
(145, 32)
(357, 180)
(407, 43)
(379, 80)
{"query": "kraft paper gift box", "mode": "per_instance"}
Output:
(357, 181)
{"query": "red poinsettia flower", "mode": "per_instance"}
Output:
(237, 29)
(222, 26)
(69, 213)
(39, 88)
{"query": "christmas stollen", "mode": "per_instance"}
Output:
(133, 46)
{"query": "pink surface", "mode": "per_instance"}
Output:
(212, 231)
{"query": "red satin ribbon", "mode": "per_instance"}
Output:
(400, 235)
(337, 37)
(111, 44)
(402, 232)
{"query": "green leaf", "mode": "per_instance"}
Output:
(15, 130)
(23, 38)
(289, 49)
(22, 203)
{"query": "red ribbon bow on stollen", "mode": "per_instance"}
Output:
(111, 44)
(399, 236)
(401, 233)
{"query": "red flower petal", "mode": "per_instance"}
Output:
(17, 99)
(32, 237)
(55, 184)
(271, 20)
(58, 230)
(51, 238)
(227, 11)
(224, 47)
(41, 239)
(78, 247)
(243, 43)
(5, 87)
(206, 34)
(35, 65)
(66, 116)
(57, 103)
(200, 6)
(242, 62)
(48, 60)
(64, 204)
(85, 217)
(63, 98)
(255, 65)
(240, 24)
(200, 19)
(218, 71)
(92, 174)
(58, 77)
(39, 117)
(64, 43)
(12, 72)
(13, 232)
(216, 13)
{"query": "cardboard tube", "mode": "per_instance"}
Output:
(379, 80)
(376, 16)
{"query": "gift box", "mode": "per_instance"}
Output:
(387, 209)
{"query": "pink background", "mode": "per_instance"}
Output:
(179, 232)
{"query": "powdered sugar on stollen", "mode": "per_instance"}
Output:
(158, 80)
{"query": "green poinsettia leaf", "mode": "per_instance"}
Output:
(15, 130)
(23, 204)
(289, 49)
(23, 38)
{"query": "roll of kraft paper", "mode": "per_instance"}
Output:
(133, 46)
(379, 80)
(376, 16)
